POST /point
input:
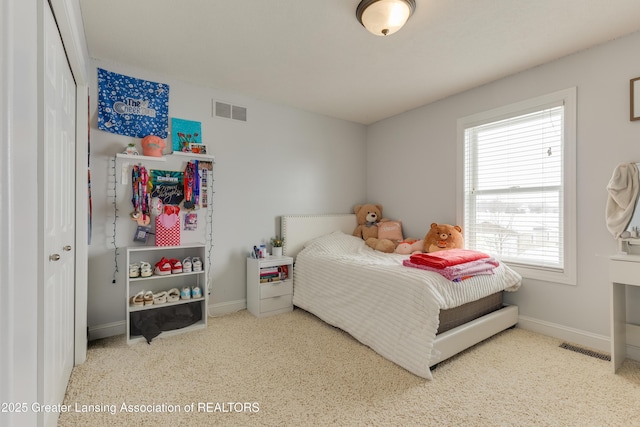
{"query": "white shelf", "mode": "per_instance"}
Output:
(133, 308)
(193, 155)
(141, 157)
(167, 276)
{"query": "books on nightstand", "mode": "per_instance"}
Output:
(272, 274)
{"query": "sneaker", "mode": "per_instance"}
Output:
(163, 267)
(196, 263)
(186, 265)
(134, 270)
(145, 269)
(173, 295)
(185, 293)
(196, 292)
(176, 266)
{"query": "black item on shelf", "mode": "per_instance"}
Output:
(150, 323)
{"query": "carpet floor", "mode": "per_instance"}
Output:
(295, 370)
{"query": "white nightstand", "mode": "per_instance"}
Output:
(624, 270)
(269, 285)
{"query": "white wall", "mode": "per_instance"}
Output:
(412, 170)
(281, 161)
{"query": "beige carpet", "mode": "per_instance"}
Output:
(294, 370)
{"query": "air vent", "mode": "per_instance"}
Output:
(585, 351)
(238, 113)
(222, 110)
(229, 111)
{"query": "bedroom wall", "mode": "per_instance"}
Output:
(281, 161)
(412, 172)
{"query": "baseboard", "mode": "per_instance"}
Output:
(107, 330)
(222, 308)
(583, 338)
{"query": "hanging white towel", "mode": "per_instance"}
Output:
(623, 192)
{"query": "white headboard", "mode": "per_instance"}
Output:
(299, 229)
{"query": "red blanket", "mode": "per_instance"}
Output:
(447, 258)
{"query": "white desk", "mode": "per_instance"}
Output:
(624, 270)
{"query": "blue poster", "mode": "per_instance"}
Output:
(132, 107)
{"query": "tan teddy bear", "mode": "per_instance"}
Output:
(443, 236)
(369, 216)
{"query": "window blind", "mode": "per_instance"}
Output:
(514, 189)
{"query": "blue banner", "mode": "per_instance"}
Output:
(132, 107)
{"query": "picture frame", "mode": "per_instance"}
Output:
(634, 89)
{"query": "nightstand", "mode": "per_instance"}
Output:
(269, 285)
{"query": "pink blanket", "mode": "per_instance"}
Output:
(447, 258)
(460, 271)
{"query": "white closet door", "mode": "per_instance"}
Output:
(59, 219)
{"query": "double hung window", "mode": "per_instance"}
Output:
(518, 185)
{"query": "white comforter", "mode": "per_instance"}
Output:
(389, 307)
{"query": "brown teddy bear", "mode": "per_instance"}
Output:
(369, 216)
(443, 236)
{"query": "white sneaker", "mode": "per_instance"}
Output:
(185, 293)
(196, 292)
(134, 270)
(186, 265)
(145, 269)
(197, 264)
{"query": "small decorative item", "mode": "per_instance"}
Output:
(198, 148)
(635, 99)
(276, 246)
(191, 221)
(131, 150)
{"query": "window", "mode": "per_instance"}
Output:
(518, 185)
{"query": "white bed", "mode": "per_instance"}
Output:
(391, 308)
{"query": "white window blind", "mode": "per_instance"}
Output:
(514, 185)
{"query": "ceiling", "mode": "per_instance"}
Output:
(314, 55)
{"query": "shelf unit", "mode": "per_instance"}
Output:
(157, 283)
(140, 157)
(273, 296)
(193, 155)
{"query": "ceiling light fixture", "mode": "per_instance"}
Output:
(384, 17)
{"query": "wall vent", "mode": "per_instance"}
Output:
(229, 111)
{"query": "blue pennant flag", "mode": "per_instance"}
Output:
(132, 107)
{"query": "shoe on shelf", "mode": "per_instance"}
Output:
(186, 265)
(176, 266)
(137, 299)
(134, 270)
(185, 293)
(196, 263)
(145, 269)
(196, 292)
(173, 295)
(160, 297)
(163, 267)
(148, 298)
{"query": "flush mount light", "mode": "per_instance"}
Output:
(384, 17)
